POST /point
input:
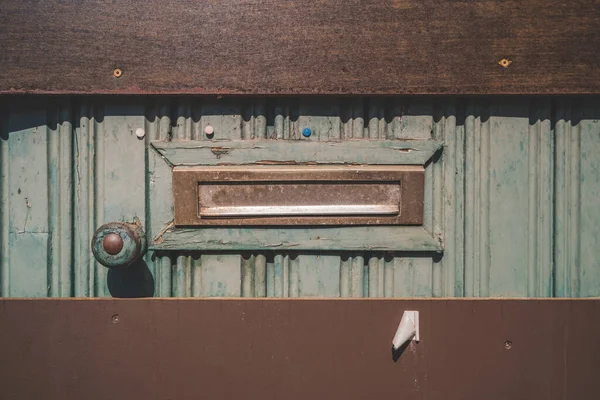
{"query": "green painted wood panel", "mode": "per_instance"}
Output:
(511, 203)
(508, 191)
(583, 213)
(28, 178)
(225, 152)
(363, 238)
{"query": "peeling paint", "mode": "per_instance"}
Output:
(159, 237)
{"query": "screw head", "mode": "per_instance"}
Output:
(505, 63)
(115, 319)
(209, 130)
(118, 72)
(306, 132)
(508, 345)
(112, 243)
(140, 133)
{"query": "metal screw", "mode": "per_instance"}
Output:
(118, 72)
(507, 345)
(115, 319)
(504, 63)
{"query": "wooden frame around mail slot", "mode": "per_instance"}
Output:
(186, 182)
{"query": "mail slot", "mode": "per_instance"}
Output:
(299, 195)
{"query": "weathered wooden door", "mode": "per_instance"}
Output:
(504, 206)
(418, 153)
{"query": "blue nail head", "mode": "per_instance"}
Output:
(306, 132)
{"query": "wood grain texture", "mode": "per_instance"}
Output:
(266, 152)
(298, 349)
(291, 47)
(363, 238)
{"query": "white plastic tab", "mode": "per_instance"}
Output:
(408, 329)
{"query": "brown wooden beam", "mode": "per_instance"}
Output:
(298, 349)
(281, 47)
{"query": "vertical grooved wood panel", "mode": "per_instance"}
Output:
(4, 203)
(586, 191)
(511, 196)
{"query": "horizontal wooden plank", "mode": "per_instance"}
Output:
(300, 47)
(367, 238)
(298, 349)
(266, 152)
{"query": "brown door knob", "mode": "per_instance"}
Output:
(119, 244)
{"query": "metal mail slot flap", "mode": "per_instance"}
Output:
(298, 195)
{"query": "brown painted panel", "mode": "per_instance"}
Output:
(298, 349)
(300, 47)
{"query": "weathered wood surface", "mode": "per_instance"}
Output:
(503, 233)
(380, 238)
(300, 47)
(298, 349)
(393, 152)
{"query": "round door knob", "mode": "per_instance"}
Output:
(118, 244)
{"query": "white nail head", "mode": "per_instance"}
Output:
(140, 133)
(209, 130)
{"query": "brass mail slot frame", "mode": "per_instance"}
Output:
(188, 181)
